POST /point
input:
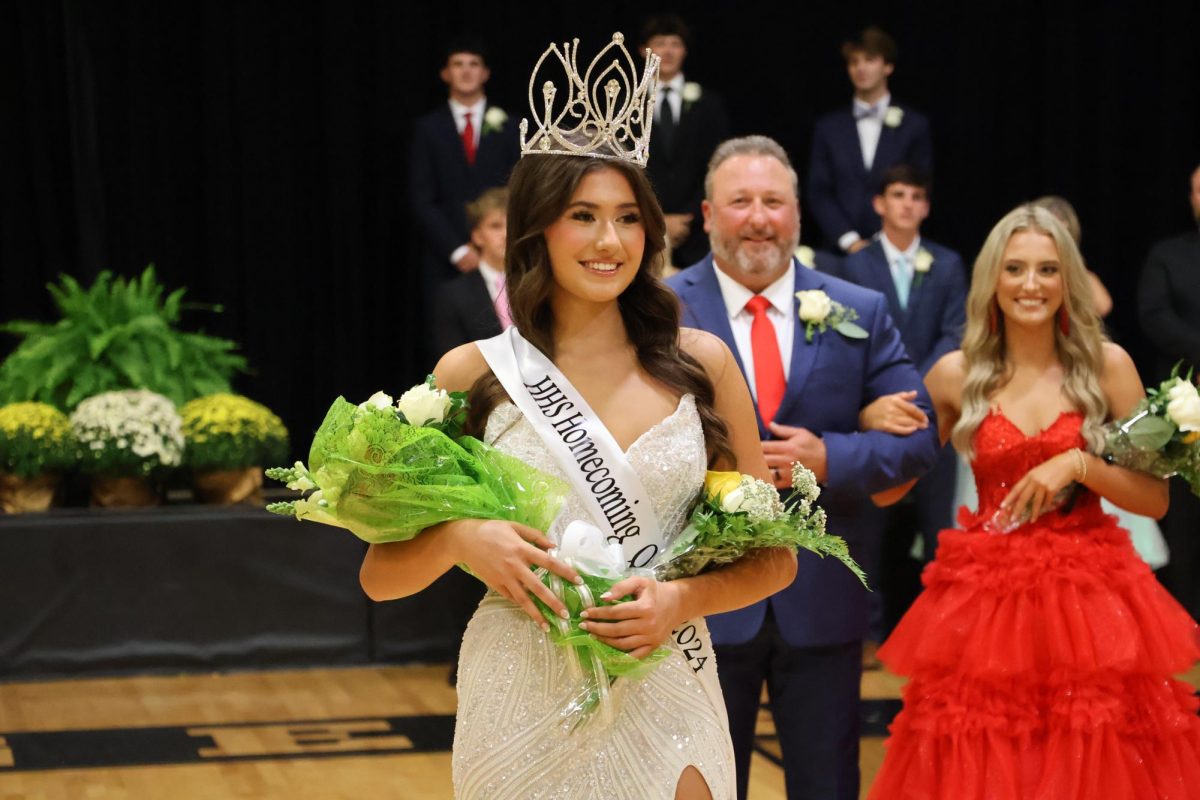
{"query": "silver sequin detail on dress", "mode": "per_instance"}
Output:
(512, 682)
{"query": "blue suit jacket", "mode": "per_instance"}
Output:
(829, 381)
(932, 325)
(441, 182)
(840, 188)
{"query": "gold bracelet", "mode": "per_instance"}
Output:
(1080, 466)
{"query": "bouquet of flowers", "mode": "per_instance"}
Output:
(134, 432)
(735, 514)
(386, 472)
(35, 439)
(1161, 437)
(228, 431)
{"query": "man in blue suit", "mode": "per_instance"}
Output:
(806, 641)
(926, 290)
(853, 146)
(458, 150)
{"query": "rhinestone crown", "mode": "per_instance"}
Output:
(606, 115)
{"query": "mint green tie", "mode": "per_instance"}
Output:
(903, 280)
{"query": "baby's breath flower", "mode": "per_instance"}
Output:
(804, 481)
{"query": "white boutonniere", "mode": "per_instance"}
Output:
(494, 119)
(691, 92)
(806, 256)
(819, 313)
(921, 265)
(893, 116)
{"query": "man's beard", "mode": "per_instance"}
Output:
(730, 251)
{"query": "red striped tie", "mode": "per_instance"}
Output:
(769, 382)
(468, 137)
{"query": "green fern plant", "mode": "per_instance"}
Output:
(117, 334)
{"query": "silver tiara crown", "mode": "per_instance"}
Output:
(606, 113)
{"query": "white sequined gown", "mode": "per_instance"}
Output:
(512, 681)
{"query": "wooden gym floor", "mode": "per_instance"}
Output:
(317, 734)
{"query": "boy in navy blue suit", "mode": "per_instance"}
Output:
(458, 151)
(926, 290)
(853, 146)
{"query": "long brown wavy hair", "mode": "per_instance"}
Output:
(540, 189)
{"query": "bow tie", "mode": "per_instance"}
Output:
(867, 112)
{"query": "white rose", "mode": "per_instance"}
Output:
(815, 305)
(495, 117)
(893, 117)
(732, 501)
(378, 400)
(923, 261)
(1184, 406)
(691, 92)
(421, 405)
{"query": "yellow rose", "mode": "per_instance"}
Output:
(718, 484)
(1192, 437)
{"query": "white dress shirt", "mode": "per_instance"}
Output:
(869, 128)
(675, 98)
(460, 117)
(492, 278)
(782, 312)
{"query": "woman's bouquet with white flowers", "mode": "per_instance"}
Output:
(386, 471)
(134, 432)
(1162, 435)
(738, 513)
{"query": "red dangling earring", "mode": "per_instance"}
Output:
(1064, 321)
(993, 319)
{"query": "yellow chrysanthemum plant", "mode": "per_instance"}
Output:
(227, 432)
(36, 445)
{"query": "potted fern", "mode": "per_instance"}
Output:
(229, 438)
(36, 447)
(115, 334)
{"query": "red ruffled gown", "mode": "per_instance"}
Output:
(1041, 662)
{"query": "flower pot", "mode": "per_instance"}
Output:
(225, 487)
(18, 495)
(123, 492)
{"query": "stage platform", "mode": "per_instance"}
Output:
(189, 588)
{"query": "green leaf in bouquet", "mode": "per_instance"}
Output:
(1151, 432)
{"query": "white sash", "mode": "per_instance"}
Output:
(599, 472)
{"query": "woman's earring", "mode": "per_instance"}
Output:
(1064, 321)
(993, 319)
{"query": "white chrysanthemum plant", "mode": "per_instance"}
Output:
(135, 433)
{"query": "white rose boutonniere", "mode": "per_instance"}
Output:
(893, 116)
(691, 92)
(806, 256)
(494, 119)
(819, 312)
(921, 265)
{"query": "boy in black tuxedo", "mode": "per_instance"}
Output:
(689, 123)
(458, 150)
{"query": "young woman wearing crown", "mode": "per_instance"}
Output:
(664, 404)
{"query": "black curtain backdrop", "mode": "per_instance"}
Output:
(256, 151)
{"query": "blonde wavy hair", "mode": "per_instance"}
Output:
(1080, 351)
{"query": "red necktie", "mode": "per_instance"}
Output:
(468, 137)
(769, 382)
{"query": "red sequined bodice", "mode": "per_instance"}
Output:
(1003, 454)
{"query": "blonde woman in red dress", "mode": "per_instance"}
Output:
(1040, 661)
